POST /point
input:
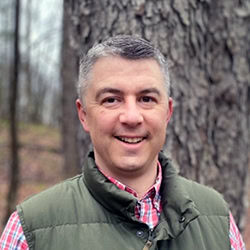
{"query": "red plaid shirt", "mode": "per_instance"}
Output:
(147, 210)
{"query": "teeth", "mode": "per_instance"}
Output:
(131, 140)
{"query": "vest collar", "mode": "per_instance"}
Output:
(115, 200)
(178, 208)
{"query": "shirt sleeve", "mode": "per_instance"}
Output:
(235, 236)
(13, 237)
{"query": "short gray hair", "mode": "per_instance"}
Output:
(125, 46)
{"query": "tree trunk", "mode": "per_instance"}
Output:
(69, 114)
(27, 63)
(206, 43)
(14, 167)
(7, 24)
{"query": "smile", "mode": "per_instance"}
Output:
(130, 140)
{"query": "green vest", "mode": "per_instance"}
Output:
(89, 212)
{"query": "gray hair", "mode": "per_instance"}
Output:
(129, 47)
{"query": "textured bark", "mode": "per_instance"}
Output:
(14, 161)
(69, 115)
(207, 43)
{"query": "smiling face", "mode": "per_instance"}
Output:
(126, 112)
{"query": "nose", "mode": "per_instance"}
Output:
(131, 114)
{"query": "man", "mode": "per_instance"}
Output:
(129, 195)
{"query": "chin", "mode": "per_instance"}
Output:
(131, 166)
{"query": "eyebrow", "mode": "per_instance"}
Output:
(107, 90)
(117, 91)
(151, 90)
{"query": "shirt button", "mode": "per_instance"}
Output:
(182, 219)
(140, 233)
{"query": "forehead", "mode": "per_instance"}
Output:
(114, 70)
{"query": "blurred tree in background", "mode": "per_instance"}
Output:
(69, 122)
(14, 87)
(40, 38)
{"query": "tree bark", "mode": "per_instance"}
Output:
(207, 43)
(14, 167)
(69, 115)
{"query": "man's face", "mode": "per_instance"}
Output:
(126, 112)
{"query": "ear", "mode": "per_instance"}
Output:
(170, 109)
(82, 115)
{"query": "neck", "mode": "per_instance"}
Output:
(139, 182)
(141, 185)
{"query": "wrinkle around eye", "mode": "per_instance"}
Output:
(110, 101)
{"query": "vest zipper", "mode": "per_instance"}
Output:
(149, 242)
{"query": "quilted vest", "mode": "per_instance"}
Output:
(89, 212)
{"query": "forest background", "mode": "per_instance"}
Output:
(208, 47)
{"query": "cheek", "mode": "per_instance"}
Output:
(158, 121)
(105, 121)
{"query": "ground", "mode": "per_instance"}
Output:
(41, 164)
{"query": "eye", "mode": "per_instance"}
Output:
(110, 101)
(147, 99)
